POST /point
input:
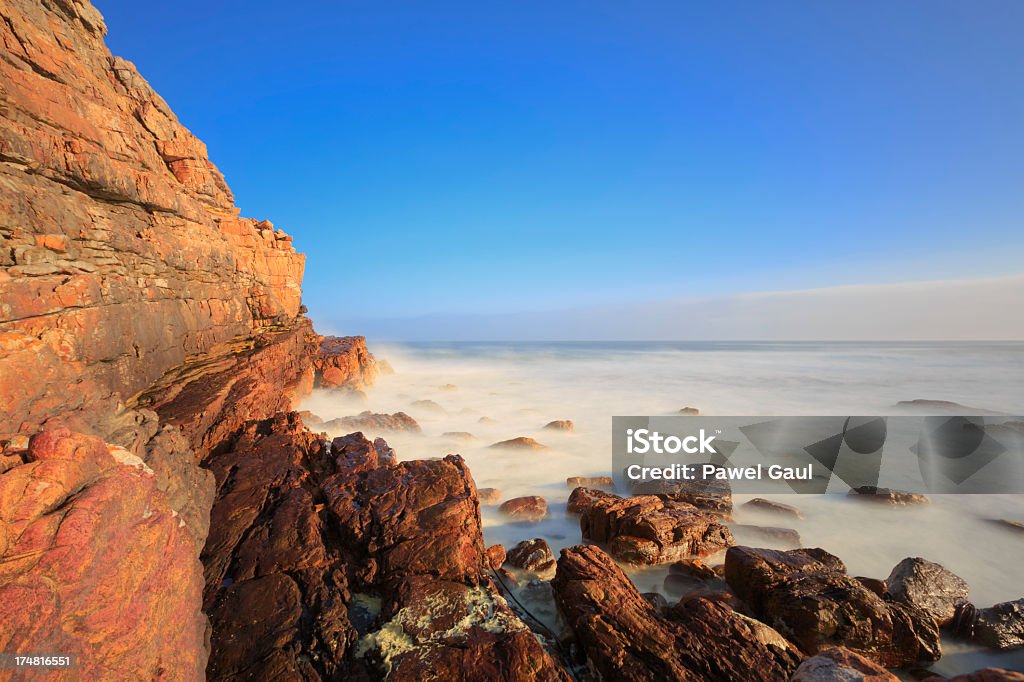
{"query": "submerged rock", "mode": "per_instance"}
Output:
(807, 594)
(626, 637)
(462, 436)
(710, 494)
(927, 586)
(371, 421)
(530, 509)
(650, 530)
(770, 506)
(600, 482)
(489, 496)
(428, 406)
(690, 412)
(896, 498)
(520, 443)
(839, 664)
(565, 425)
(783, 535)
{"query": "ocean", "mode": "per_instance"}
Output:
(498, 391)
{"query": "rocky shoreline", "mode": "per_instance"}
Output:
(166, 514)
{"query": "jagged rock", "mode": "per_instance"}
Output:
(489, 496)
(650, 530)
(371, 421)
(896, 498)
(531, 508)
(840, 664)
(520, 443)
(770, 506)
(344, 362)
(532, 555)
(299, 526)
(600, 482)
(709, 494)
(496, 556)
(95, 563)
(927, 586)
(807, 594)
(625, 637)
(581, 499)
(565, 425)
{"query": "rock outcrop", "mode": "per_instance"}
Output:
(344, 362)
(648, 529)
(625, 637)
(806, 594)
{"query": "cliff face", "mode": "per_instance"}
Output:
(121, 251)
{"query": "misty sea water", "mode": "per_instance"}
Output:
(498, 391)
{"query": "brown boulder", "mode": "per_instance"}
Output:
(997, 627)
(806, 593)
(760, 504)
(495, 556)
(709, 494)
(529, 509)
(927, 586)
(344, 362)
(841, 664)
(650, 530)
(532, 555)
(565, 425)
(581, 499)
(624, 637)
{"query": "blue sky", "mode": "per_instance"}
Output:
(472, 157)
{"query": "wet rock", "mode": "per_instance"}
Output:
(489, 496)
(373, 422)
(840, 664)
(428, 406)
(709, 494)
(896, 498)
(760, 504)
(496, 556)
(461, 436)
(807, 594)
(650, 530)
(532, 555)
(599, 482)
(520, 443)
(582, 499)
(783, 535)
(344, 362)
(626, 638)
(690, 412)
(1000, 626)
(531, 508)
(927, 586)
(87, 538)
(564, 425)
(692, 568)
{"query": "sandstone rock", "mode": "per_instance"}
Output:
(690, 412)
(927, 586)
(94, 562)
(692, 568)
(520, 443)
(344, 362)
(582, 499)
(650, 530)
(770, 506)
(496, 556)
(531, 508)
(896, 498)
(600, 482)
(564, 425)
(532, 555)
(625, 637)
(311, 421)
(374, 422)
(838, 663)
(489, 496)
(807, 594)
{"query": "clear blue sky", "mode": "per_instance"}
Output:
(469, 157)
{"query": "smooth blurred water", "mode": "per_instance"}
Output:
(520, 387)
